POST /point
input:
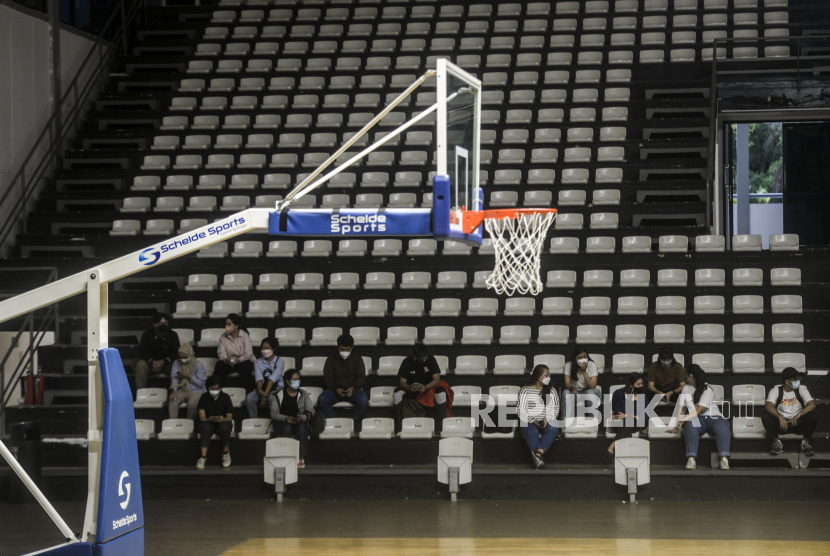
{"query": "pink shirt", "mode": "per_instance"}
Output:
(236, 349)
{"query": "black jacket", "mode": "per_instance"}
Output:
(155, 348)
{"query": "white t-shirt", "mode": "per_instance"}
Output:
(789, 406)
(707, 400)
(581, 384)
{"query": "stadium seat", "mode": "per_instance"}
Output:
(673, 244)
(787, 332)
(255, 429)
(710, 244)
(307, 281)
(510, 365)
(273, 281)
(709, 305)
(632, 305)
(743, 363)
(564, 246)
(477, 335)
(189, 310)
(748, 428)
(290, 336)
(593, 334)
(747, 304)
(595, 306)
(712, 363)
(514, 334)
(636, 244)
(417, 428)
(669, 333)
(553, 334)
(377, 428)
(401, 336)
(746, 242)
(439, 335)
(630, 334)
(671, 278)
(597, 279)
(634, 278)
(660, 428)
(785, 277)
(262, 308)
(338, 429)
(482, 307)
(150, 398)
(458, 427)
(223, 308)
(561, 279)
(786, 304)
(625, 363)
(176, 429)
(781, 361)
(670, 305)
(783, 242)
(581, 427)
(379, 281)
(747, 333)
(708, 334)
(710, 277)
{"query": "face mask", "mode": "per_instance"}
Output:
(345, 354)
(581, 361)
(184, 360)
(162, 329)
(638, 390)
(666, 364)
(546, 380)
(295, 384)
(796, 384)
(214, 393)
(266, 353)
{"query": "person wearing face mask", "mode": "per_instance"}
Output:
(157, 350)
(666, 377)
(420, 389)
(235, 353)
(187, 383)
(290, 410)
(344, 375)
(537, 409)
(268, 371)
(626, 409)
(790, 409)
(580, 380)
(699, 414)
(215, 417)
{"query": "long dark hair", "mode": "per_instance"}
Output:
(630, 380)
(237, 321)
(534, 378)
(574, 365)
(700, 381)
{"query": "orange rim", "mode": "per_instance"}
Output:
(473, 219)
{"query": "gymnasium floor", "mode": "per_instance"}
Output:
(415, 528)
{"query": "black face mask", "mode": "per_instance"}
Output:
(162, 329)
(638, 390)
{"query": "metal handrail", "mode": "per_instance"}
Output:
(60, 125)
(713, 98)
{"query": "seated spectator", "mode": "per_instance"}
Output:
(537, 410)
(665, 377)
(268, 371)
(344, 375)
(290, 411)
(187, 383)
(420, 387)
(626, 409)
(699, 414)
(235, 353)
(215, 417)
(157, 350)
(790, 409)
(580, 379)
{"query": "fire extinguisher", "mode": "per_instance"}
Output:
(29, 387)
(40, 383)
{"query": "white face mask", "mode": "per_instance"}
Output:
(666, 364)
(266, 353)
(581, 361)
(796, 384)
(546, 380)
(215, 393)
(345, 354)
(295, 384)
(184, 360)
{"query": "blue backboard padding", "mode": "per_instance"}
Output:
(119, 456)
(74, 549)
(351, 222)
(441, 205)
(131, 544)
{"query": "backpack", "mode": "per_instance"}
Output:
(781, 397)
(316, 422)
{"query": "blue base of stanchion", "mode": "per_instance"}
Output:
(131, 544)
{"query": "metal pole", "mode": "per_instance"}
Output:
(743, 179)
(53, 514)
(57, 93)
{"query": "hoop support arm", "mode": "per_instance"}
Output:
(472, 219)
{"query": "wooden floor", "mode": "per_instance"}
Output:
(500, 547)
(414, 528)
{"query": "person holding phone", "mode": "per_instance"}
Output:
(235, 353)
(420, 390)
(291, 408)
(790, 409)
(666, 377)
(344, 375)
(268, 372)
(537, 410)
(215, 417)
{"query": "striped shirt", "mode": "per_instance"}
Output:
(531, 407)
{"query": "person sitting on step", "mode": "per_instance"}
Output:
(235, 353)
(291, 409)
(665, 377)
(215, 417)
(627, 408)
(699, 414)
(580, 381)
(187, 383)
(537, 409)
(268, 372)
(157, 350)
(790, 409)
(344, 375)
(420, 388)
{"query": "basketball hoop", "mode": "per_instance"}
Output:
(518, 236)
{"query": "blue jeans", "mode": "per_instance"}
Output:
(252, 401)
(300, 430)
(568, 405)
(358, 399)
(532, 433)
(718, 426)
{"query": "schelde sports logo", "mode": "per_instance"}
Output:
(152, 255)
(149, 257)
(121, 486)
(124, 521)
(357, 223)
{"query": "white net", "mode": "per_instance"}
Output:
(518, 244)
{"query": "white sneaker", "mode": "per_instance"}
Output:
(691, 464)
(724, 463)
(226, 460)
(200, 463)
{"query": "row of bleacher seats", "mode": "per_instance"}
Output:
(453, 279)
(709, 333)
(343, 180)
(514, 364)
(452, 11)
(515, 306)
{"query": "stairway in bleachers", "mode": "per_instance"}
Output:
(589, 107)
